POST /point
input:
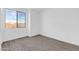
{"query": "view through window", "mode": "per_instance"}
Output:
(15, 19)
(21, 20)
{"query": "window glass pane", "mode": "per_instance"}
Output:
(10, 18)
(21, 19)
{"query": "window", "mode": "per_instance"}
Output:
(21, 20)
(10, 19)
(15, 19)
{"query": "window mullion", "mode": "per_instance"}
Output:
(17, 19)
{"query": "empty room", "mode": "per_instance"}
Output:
(39, 29)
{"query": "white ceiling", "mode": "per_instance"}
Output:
(39, 9)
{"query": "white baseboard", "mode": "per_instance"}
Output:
(60, 39)
(33, 35)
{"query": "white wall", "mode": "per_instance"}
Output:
(62, 24)
(0, 31)
(34, 22)
(0, 26)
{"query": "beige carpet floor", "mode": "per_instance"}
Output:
(37, 43)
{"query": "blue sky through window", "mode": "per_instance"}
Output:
(21, 17)
(10, 16)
